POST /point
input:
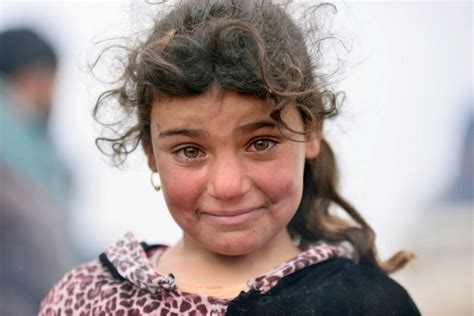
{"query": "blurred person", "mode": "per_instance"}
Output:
(34, 182)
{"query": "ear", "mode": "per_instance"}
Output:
(312, 147)
(150, 157)
(313, 143)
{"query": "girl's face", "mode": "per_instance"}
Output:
(230, 179)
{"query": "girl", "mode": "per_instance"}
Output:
(229, 107)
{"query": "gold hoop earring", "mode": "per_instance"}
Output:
(152, 180)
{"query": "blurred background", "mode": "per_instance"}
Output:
(404, 141)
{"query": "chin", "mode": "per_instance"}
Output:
(234, 246)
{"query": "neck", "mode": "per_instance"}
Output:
(192, 263)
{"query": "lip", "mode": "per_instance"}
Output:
(231, 217)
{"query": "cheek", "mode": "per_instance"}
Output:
(181, 189)
(282, 181)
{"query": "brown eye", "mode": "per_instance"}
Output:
(191, 152)
(262, 144)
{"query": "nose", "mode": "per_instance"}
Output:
(228, 178)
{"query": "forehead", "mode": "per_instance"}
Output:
(212, 106)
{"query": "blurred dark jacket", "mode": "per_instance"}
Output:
(34, 252)
(34, 182)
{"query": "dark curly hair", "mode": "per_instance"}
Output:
(256, 48)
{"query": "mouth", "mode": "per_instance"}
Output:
(232, 217)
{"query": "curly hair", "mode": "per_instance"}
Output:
(256, 48)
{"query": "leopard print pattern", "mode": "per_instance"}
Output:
(91, 289)
(135, 287)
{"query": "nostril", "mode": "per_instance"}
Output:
(228, 186)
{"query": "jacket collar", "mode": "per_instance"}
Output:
(127, 260)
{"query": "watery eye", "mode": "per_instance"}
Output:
(190, 152)
(262, 144)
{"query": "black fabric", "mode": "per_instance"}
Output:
(333, 287)
(147, 247)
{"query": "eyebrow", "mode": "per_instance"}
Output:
(194, 132)
(190, 132)
(252, 127)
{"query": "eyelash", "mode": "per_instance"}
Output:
(272, 144)
(201, 154)
(180, 153)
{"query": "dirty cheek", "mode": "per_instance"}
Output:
(181, 189)
(283, 186)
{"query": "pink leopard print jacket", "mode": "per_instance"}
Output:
(124, 282)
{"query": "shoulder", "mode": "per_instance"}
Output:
(78, 289)
(342, 285)
(336, 287)
(117, 283)
(367, 288)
